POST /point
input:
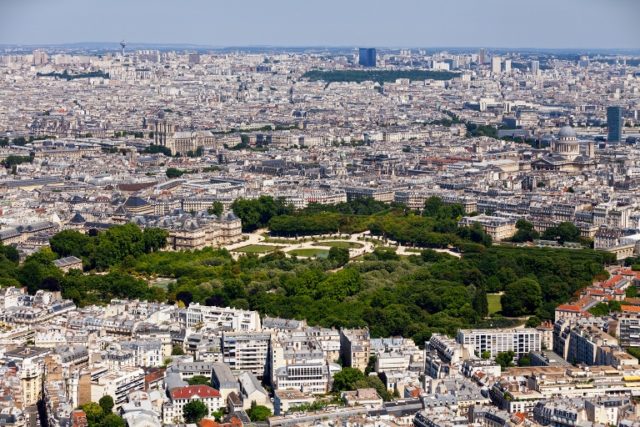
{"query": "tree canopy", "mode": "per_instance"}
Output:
(505, 359)
(106, 403)
(525, 232)
(194, 411)
(524, 296)
(258, 413)
(256, 213)
(563, 232)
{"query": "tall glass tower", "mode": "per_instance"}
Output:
(367, 57)
(614, 124)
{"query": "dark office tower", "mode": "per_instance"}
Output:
(614, 123)
(367, 57)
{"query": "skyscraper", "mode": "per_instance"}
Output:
(614, 124)
(40, 57)
(367, 57)
(482, 56)
(507, 66)
(496, 65)
(535, 67)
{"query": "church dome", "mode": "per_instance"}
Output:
(567, 132)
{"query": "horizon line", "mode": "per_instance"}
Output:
(311, 46)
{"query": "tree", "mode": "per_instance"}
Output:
(564, 232)
(106, 403)
(480, 303)
(432, 206)
(93, 411)
(39, 268)
(634, 351)
(199, 380)
(371, 364)
(505, 359)
(258, 413)
(524, 360)
(338, 255)
(111, 420)
(10, 253)
(521, 297)
(154, 239)
(174, 173)
(70, 242)
(533, 321)
(12, 161)
(185, 296)
(216, 208)
(257, 213)
(373, 381)
(153, 149)
(176, 350)
(525, 232)
(194, 411)
(346, 379)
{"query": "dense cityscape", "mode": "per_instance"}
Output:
(348, 236)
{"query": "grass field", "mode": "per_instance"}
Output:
(319, 253)
(339, 244)
(256, 249)
(493, 300)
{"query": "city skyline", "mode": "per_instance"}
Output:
(573, 24)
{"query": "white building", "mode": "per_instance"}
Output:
(246, 351)
(118, 384)
(520, 341)
(219, 317)
(496, 65)
(172, 412)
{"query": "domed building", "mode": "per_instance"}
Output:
(567, 154)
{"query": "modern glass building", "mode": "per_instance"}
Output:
(367, 57)
(614, 124)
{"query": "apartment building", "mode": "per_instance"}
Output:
(118, 384)
(308, 376)
(212, 317)
(355, 348)
(246, 351)
(494, 341)
(583, 341)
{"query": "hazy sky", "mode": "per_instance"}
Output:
(392, 23)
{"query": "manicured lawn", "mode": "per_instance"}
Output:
(257, 249)
(309, 253)
(339, 244)
(493, 300)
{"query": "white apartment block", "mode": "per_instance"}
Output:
(520, 341)
(118, 384)
(219, 317)
(246, 351)
(309, 376)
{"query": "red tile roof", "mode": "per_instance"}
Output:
(188, 392)
(567, 307)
